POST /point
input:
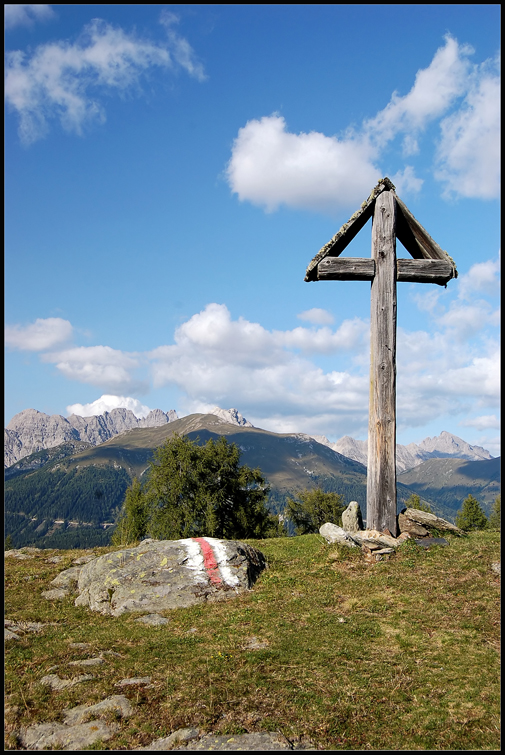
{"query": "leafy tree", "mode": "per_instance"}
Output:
(313, 508)
(414, 502)
(194, 490)
(471, 515)
(495, 516)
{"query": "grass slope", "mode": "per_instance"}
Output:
(399, 655)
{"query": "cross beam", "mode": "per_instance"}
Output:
(430, 264)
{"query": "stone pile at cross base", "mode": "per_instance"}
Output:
(412, 524)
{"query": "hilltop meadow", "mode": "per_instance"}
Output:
(402, 654)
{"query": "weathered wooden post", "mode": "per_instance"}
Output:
(431, 264)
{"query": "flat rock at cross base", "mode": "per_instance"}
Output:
(158, 575)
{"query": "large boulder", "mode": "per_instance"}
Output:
(335, 534)
(159, 575)
(430, 521)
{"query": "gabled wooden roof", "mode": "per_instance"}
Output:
(409, 231)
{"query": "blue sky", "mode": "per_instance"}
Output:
(170, 171)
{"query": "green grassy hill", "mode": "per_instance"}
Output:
(401, 655)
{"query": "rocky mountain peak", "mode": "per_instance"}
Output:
(31, 431)
(232, 416)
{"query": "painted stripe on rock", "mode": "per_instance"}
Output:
(194, 559)
(209, 560)
(219, 549)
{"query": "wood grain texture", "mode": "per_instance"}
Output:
(345, 269)
(424, 271)
(381, 476)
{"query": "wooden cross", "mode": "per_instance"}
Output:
(430, 264)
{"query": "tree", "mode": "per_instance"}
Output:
(414, 502)
(133, 520)
(471, 515)
(495, 516)
(313, 508)
(195, 490)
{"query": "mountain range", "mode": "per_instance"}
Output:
(69, 495)
(31, 431)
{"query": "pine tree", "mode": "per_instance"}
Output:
(495, 517)
(196, 490)
(134, 517)
(414, 502)
(471, 515)
(313, 508)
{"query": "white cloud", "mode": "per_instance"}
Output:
(468, 157)
(483, 277)
(317, 316)
(62, 79)
(484, 422)
(270, 167)
(107, 403)
(38, 336)
(98, 365)
(26, 15)
(435, 89)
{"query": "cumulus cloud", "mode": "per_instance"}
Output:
(26, 15)
(435, 89)
(98, 365)
(271, 166)
(484, 422)
(107, 403)
(38, 336)
(483, 277)
(317, 316)
(63, 80)
(468, 158)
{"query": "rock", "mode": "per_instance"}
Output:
(165, 574)
(8, 635)
(254, 644)
(118, 704)
(87, 662)
(84, 559)
(152, 619)
(496, 567)
(179, 736)
(427, 542)
(412, 528)
(54, 681)
(54, 736)
(237, 742)
(56, 594)
(430, 521)
(352, 520)
(138, 680)
(68, 578)
(335, 534)
(374, 536)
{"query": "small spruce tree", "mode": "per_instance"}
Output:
(471, 515)
(495, 516)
